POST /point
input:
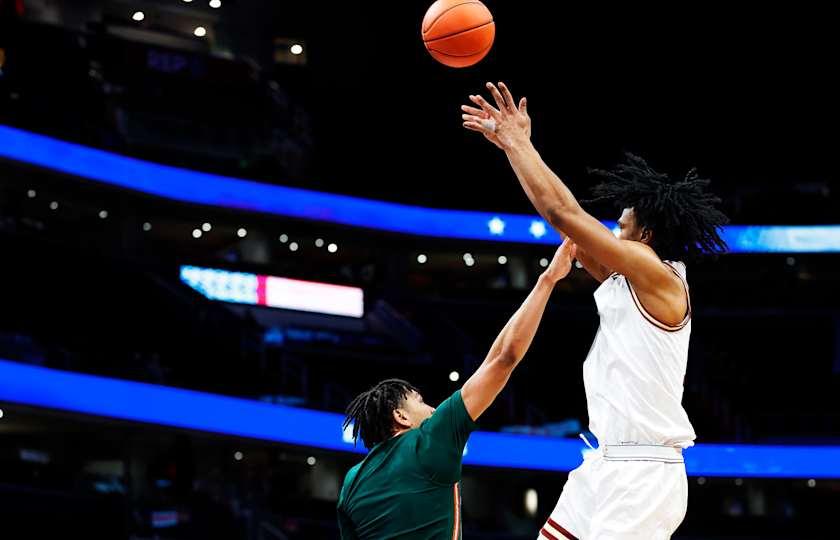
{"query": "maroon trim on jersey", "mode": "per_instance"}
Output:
(556, 526)
(457, 498)
(685, 286)
(651, 319)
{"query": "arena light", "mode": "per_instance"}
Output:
(215, 4)
(31, 193)
(54, 205)
(276, 292)
(293, 246)
(531, 502)
(296, 49)
(422, 258)
(138, 16)
(332, 248)
(103, 214)
(187, 409)
(237, 194)
(200, 31)
(147, 226)
(242, 232)
(206, 227)
(196, 233)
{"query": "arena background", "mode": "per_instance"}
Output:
(154, 183)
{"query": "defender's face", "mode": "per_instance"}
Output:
(416, 410)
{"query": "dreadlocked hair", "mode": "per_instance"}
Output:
(371, 413)
(682, 214)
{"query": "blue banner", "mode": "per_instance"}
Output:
(234, 193)
(174, 407)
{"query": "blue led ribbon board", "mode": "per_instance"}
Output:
(140, 402)
(239, 194)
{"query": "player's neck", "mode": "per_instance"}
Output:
(400, 432)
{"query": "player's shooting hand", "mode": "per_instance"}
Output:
(504, 126)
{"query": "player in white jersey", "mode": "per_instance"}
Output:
(634, 485)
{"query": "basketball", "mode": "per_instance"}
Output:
(457, 33)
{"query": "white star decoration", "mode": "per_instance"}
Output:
(496, 225)
(537, 229)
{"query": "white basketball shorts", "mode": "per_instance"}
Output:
(622, 493)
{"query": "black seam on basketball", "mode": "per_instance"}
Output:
(491, 21)
(431, 24)
(485, 49)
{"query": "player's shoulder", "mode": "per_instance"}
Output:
(446, 408)
(349, 478)
(641, 251)
(649, 269)
(352, 473)
(679, 266)
(455, 400)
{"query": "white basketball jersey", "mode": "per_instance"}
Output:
(635, 370)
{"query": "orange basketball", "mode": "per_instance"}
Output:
(458, 33)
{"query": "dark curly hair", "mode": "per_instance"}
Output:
(372, 412)
(681, 213)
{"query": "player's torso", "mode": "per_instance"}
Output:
(635, 370)
(393, 497)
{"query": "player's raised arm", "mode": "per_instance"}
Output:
(598, 271)
(515, 338)
(508, 126)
